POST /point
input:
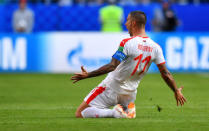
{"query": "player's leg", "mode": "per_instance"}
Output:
(92, 104)
(94, 112)
(82, 106)
(127, 101)
(97, 102)
(86, 111)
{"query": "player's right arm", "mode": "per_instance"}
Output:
(118, 57)
(102, 70)
(168, 78)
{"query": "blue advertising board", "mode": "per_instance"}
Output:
(185, 52)
(66, 52)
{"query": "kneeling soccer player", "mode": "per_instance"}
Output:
(128, 66)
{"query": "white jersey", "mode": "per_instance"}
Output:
(136, 55)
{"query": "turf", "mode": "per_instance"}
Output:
(40, 102)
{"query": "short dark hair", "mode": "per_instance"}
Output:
(140, 18)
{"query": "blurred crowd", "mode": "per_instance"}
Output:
(99, 2)
(111, 18)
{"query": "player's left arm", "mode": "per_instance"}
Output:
(168, 78)
(102, 70)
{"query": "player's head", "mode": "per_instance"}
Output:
(136, 20)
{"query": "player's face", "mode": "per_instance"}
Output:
(128, 24)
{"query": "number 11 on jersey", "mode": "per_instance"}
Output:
(147, 60)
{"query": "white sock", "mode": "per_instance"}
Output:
(93, 112)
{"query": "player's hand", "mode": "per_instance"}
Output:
(80, 76)
(180, 99)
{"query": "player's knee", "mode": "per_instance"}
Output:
(78, 114)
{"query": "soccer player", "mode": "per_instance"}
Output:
(128, 66)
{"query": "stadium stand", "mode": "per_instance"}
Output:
(86, 18)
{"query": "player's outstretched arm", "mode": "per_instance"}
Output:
(168, 78)
(102, 70)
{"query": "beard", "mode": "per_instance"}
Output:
(130, 33)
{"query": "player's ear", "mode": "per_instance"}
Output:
(133, 23)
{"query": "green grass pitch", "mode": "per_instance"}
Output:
(45, 102)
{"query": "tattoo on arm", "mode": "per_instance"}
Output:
(168, 78)
(105, 69)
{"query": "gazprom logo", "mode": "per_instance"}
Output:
(13, 55)
(188, 53)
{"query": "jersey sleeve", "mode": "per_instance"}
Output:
(159, 58)
(121, 53)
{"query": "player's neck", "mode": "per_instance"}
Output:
(139, 32)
